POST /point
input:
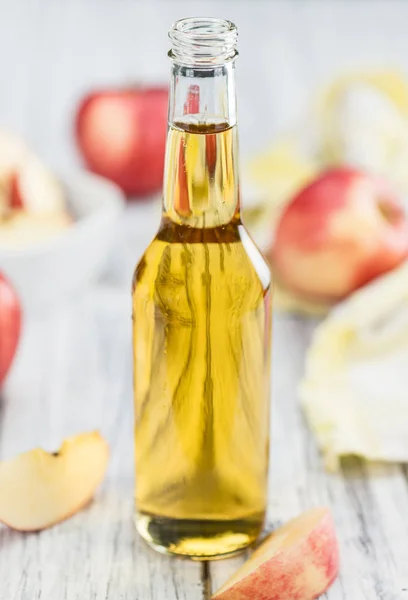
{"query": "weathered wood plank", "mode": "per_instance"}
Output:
(73, 374)
(221, 570)
(369, 503)
(65, 382)
(86, 351)
(95, 555)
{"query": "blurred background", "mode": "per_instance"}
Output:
(53, 52)
(320, 83)
(322, 90)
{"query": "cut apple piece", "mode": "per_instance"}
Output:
(13, 152)
(39, 489)
(23, 229)
(37, 189)
(25, 182)
(16, 201)
(299, 561)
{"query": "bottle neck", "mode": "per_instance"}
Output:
(201, 187)
(203, 93)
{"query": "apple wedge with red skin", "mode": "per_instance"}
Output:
(16, 200)
(39, 489)
(25, 182)
(121, 134)
(298, 561)
(35, 189)
(338, 233)
(10, 326)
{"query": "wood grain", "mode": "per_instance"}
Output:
(73, 373)
(73, 370)
(369, 503)
(81, 379)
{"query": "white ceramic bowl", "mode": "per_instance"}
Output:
(48, 272)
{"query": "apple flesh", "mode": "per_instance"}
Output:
(121, 135)
(25, 229)
(12, 153)
(39, 489)
(10, 326)
(26, 184)
(299, 561)
(338, 233)
(36, 190)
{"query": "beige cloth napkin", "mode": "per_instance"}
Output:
(355, 388)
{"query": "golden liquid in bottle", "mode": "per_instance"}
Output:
(201, 310)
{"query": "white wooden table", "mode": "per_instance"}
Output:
(73, 373)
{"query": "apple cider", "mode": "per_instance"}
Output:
(201, 330)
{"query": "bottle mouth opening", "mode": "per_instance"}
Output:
(203, 41)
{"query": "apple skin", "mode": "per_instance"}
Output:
(16, 198)
(296, 562)
(337, 234)
(26, 183)
(121, 134)
(10, 326)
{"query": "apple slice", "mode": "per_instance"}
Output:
(39, 489)
(23, 229)
(13, 152)
(299, 561)
(35, 188)
(16, 201)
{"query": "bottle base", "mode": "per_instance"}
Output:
(198, 539)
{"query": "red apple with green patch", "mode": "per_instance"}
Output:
(338, 233)
(121, 134)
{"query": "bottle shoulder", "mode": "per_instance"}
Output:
(225, 256)
(256, 258)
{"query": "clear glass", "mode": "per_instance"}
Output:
(201, 313)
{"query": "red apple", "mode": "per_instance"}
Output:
(10, 324)
(337, 234)
(299, 561)
(122, 136)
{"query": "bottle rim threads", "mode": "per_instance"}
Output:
(203, 41)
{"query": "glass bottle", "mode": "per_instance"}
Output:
(201, 314)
